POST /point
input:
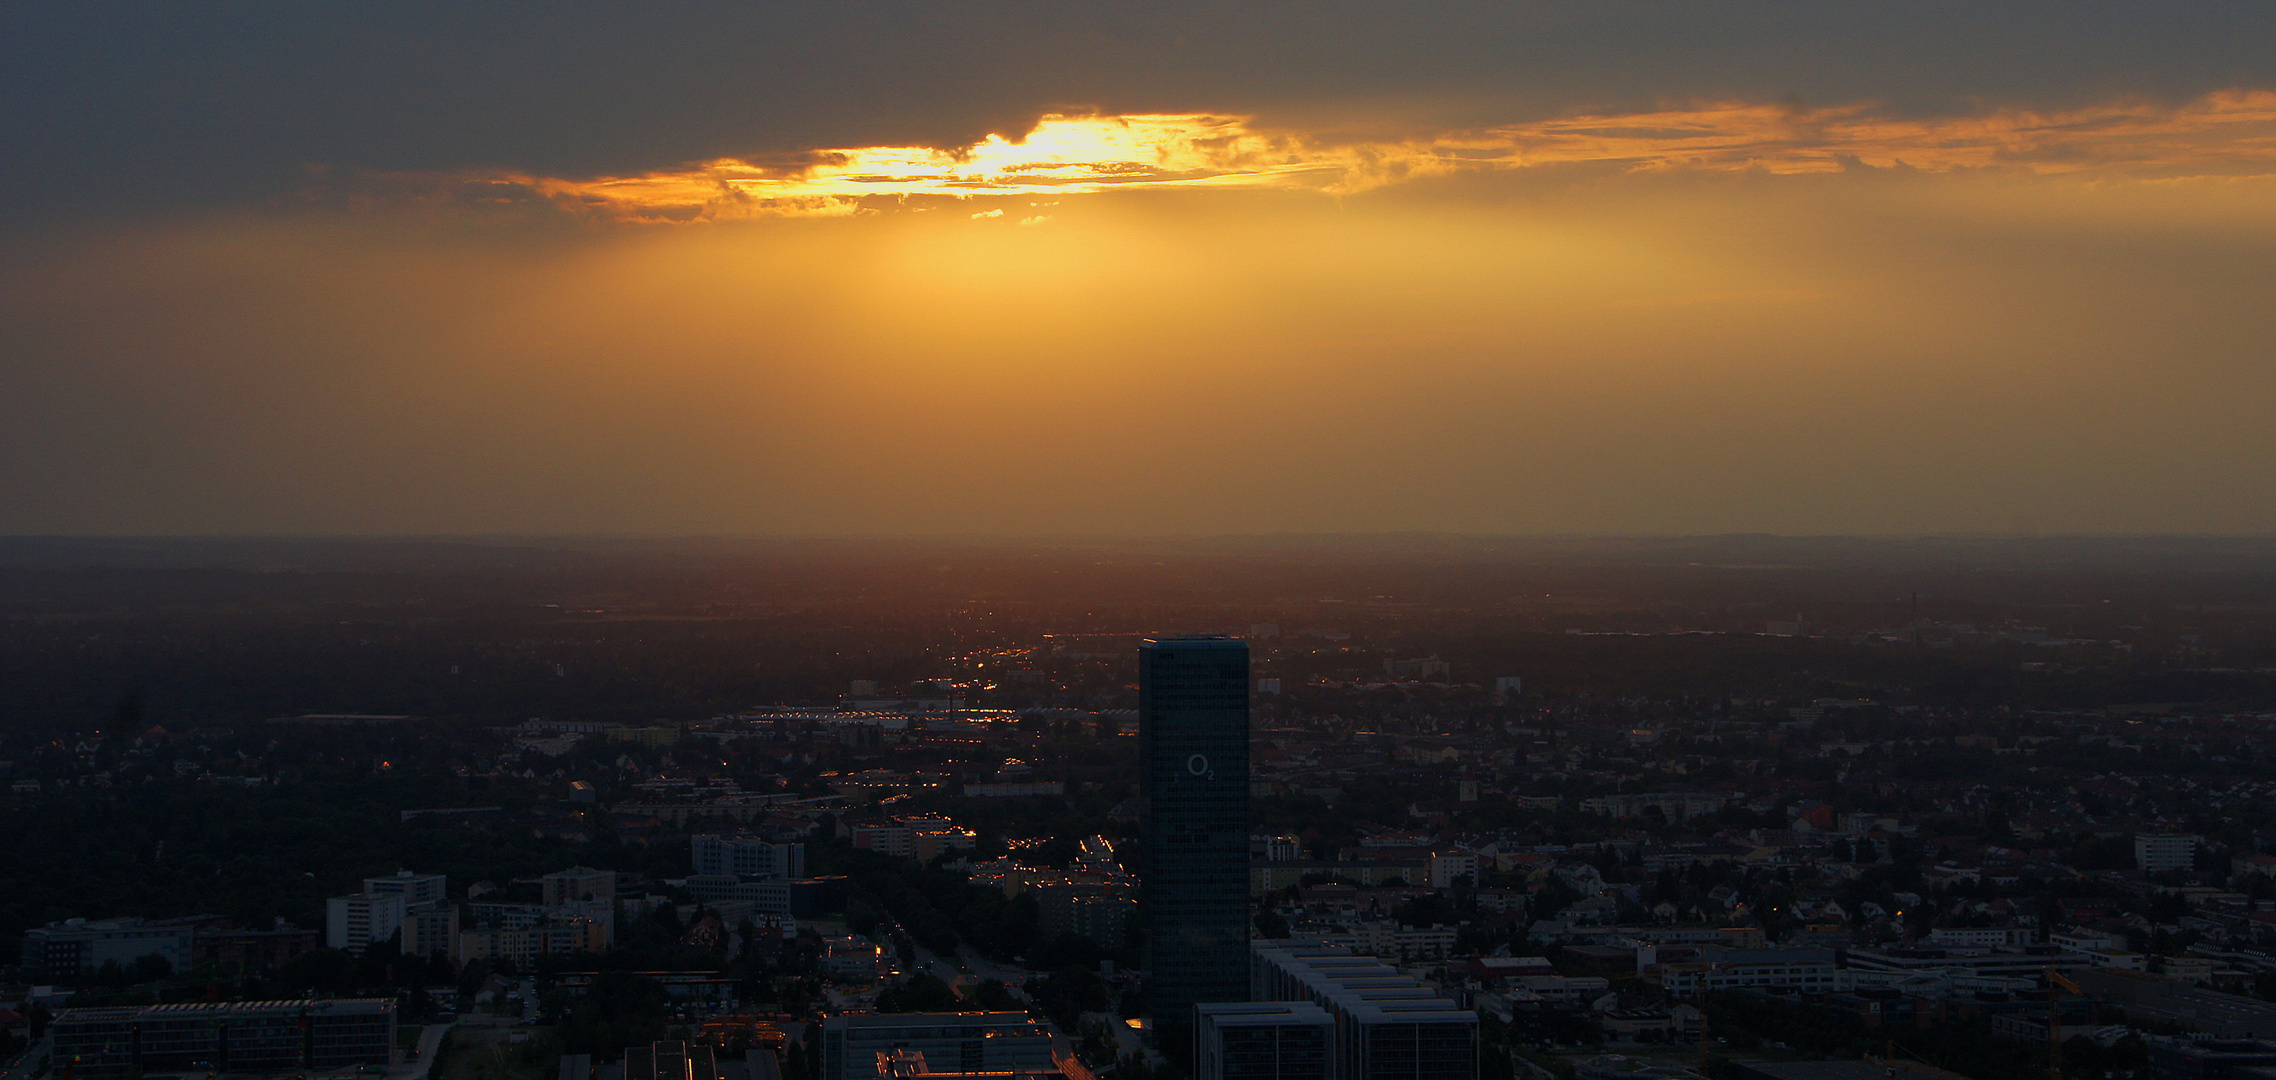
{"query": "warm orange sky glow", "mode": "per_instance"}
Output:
(1621, 266)
(1894, 353)
(2232, 134)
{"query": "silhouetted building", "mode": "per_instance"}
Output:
(1193, 724)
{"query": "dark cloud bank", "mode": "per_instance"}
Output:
(107, 107)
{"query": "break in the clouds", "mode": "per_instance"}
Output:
(2227, 134)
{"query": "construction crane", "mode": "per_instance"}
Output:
(2057, 982)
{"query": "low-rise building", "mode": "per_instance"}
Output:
(254, 1036)
(855, 959)
(1807, 970)
(1263, 1040)
(964, 1041)
(1387, 1025)
(64, 950)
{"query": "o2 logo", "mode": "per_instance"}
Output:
(1198, 765)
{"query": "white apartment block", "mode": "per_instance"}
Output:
(362, 920)
(2159, 852)
(1446, 866)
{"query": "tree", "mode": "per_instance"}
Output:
(322, 970)
(994, 996)
(1066, 994)
(921, 993)
(151, 967)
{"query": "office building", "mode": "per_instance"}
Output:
(248, 1036)
(747, 856)
(1387, 1025)
(1262, 1040)
(1193, 726)
(362, 920)
(950, 1042)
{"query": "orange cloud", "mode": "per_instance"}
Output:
(2232, 133)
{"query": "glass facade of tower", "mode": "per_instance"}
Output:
(1193, 710)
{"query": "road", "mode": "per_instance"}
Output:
(977, 969)
(21, 1068)
(430, 1043)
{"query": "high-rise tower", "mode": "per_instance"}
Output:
(1193, 724)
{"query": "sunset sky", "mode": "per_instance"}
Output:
(1166, 268)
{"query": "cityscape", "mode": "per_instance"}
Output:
(1945, 819)
(1196, 540)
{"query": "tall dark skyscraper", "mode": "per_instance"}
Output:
(1193, 722)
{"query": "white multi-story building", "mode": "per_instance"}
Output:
(1446, 866)
(1267, 847)
(1809, 970)
(2025, 963)
(1387, 1025)
(1263, 1040)
(429, 929)
(1672, 805)
(1983, 938)
(1391, 938)
(362, 920)
(413, 888)
(2085, 940)
(2159, 852)
(555, 936)
(747, 856)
